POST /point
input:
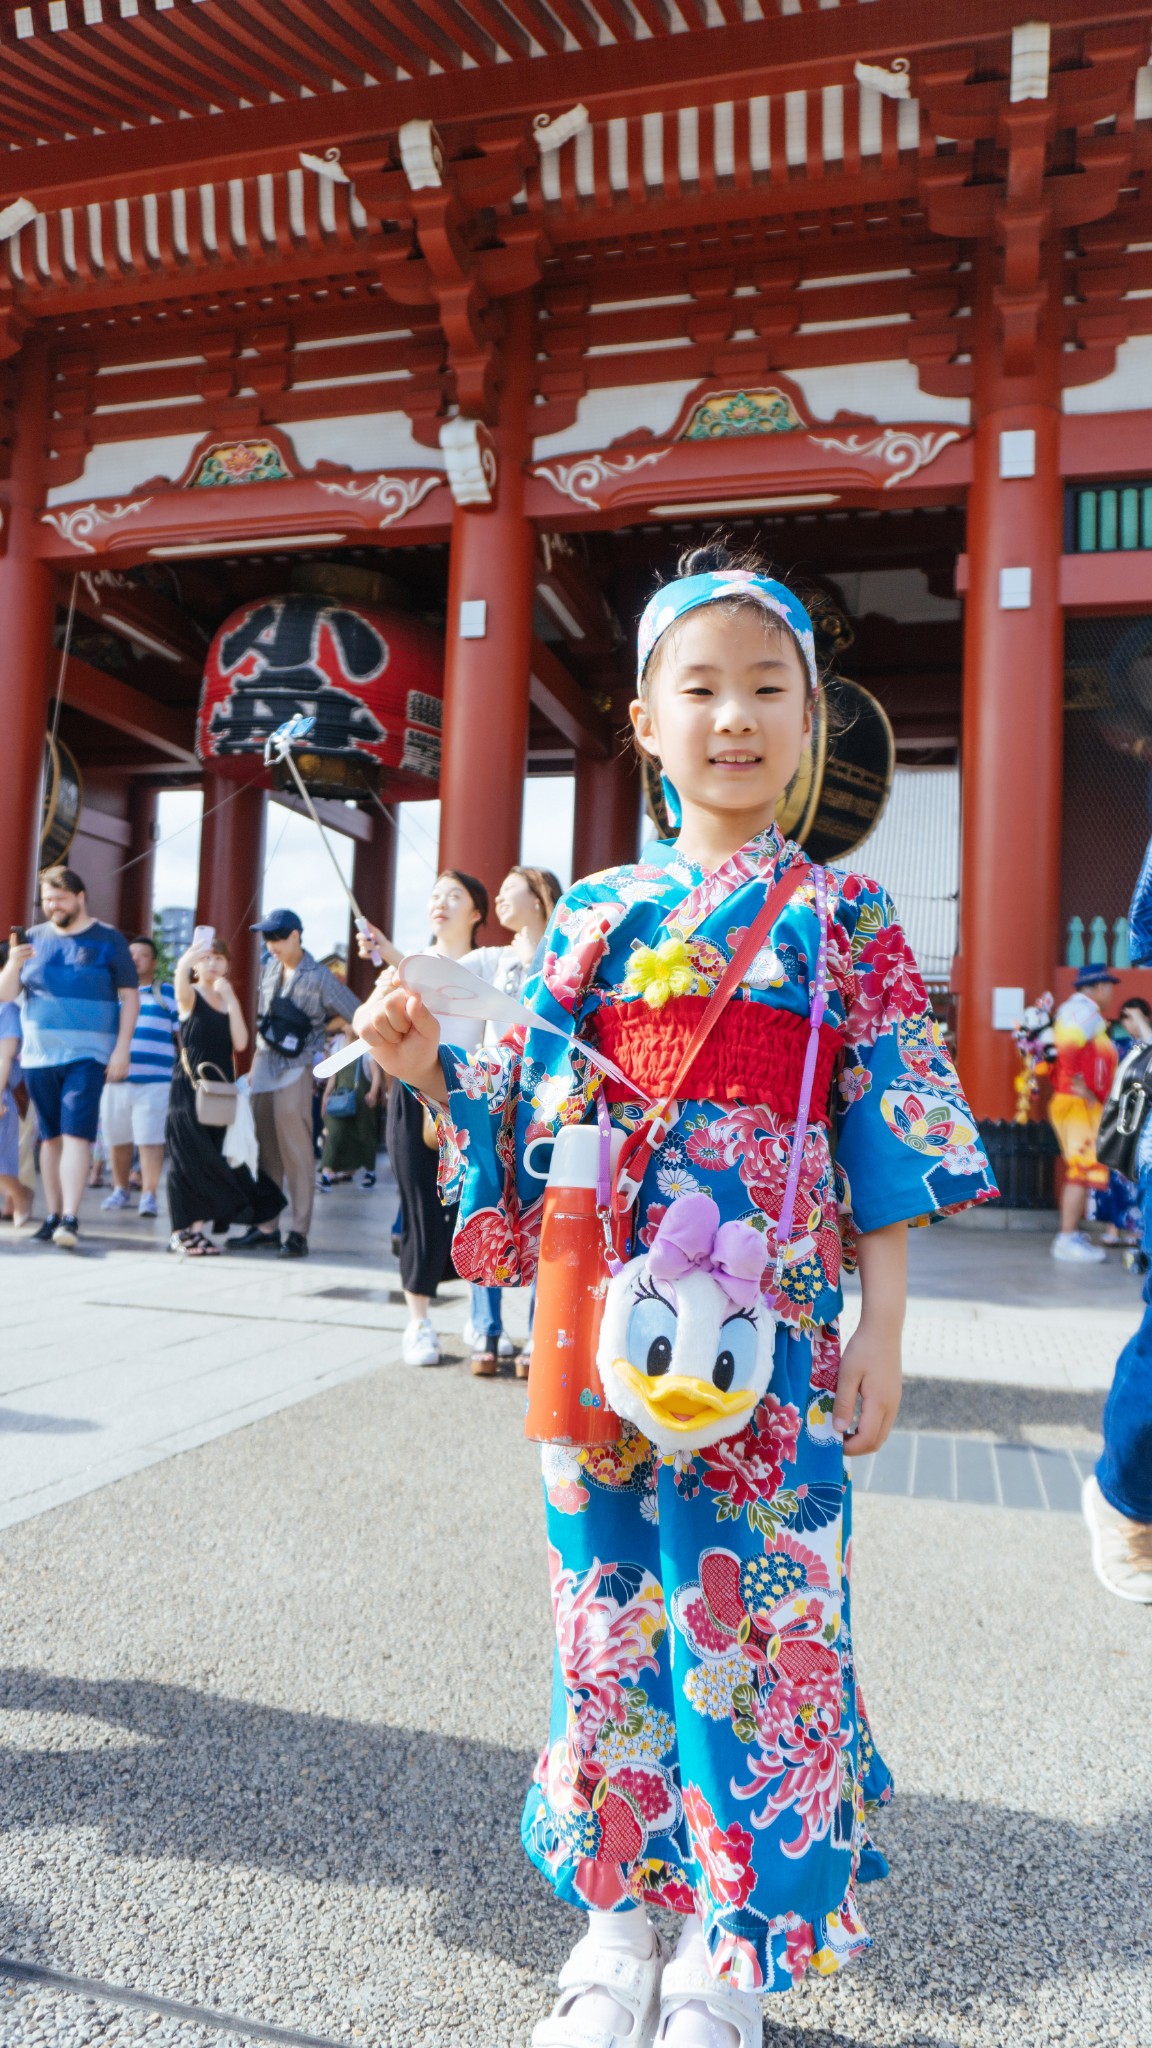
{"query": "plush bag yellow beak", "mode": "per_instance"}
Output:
(678, 1403)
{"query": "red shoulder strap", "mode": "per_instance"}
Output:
(651, 1134)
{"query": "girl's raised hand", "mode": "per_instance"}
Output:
(404, 1038)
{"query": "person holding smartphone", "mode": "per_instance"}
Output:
(13, 1103)
(205, 1191)
(77, 983)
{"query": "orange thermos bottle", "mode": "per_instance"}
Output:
(566, 1403)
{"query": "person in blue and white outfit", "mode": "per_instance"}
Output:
(132, 1112)
(77, 984)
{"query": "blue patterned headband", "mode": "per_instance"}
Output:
(688, 593)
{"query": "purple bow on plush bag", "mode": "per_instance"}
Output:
(691, 1238)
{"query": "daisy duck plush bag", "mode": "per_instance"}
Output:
(682, 1336)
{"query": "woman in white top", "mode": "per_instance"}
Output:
(525, 901)
(457, 907)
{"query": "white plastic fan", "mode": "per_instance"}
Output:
(451, 990)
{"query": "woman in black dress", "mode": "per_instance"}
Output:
(458, 906)
(204, 1190)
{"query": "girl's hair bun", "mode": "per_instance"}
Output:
(711, 559)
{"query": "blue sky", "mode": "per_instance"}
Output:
(299, 873)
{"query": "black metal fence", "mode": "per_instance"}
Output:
(1022, 1157)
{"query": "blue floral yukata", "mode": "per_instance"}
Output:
(709, 1749)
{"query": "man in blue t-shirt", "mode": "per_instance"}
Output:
(134, 1110)
(78, 985)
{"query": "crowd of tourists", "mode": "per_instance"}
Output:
(104, 1065)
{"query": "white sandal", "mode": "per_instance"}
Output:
(633, 1981)
(684, 1981)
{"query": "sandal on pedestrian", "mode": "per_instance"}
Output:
(522, 1362)
(632, 1982)
(197, 1246)
(485, 1363)
(688, 1983)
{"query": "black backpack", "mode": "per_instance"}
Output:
(1125, 1114)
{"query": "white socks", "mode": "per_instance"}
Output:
(632, 1933)
(692, 2025)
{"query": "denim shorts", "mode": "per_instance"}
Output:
(67, 1099)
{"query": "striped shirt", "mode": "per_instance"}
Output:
(153, 1051)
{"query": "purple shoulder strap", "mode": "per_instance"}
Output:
(817, 1005)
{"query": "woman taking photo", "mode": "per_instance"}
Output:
(204, 1190)
(525, 901)
(457, 907)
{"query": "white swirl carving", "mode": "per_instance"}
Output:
(396, 495)
(578, 480)
(76, 522)
(552, 131)
(903, 451)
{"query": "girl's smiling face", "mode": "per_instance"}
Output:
(726, 712)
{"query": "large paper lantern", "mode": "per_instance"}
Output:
(372, 680)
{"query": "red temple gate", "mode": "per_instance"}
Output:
(483, 308)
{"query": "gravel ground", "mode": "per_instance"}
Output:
(270, 1708)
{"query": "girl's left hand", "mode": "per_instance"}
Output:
(869, 1372)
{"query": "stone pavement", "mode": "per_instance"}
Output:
(277, 1656)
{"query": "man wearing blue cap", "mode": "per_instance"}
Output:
(297, 998)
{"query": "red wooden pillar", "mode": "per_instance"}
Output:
(136, 881)
(1013, 723)
(374, 887)
(486, 678)
(27, 609)
(231, 873)
(606, 819)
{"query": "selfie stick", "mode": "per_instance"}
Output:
(278, 747)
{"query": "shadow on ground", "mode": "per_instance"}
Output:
(45, 1425)
(983, 1898)
(959, 1406)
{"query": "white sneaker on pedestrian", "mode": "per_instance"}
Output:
(505, 1348)
(147, 1206)
(421, 1345)
(1072, 1248)
(1121, 1548)
(118, 1199)
(469, 1335)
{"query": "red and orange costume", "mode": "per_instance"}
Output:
(1084, 1053)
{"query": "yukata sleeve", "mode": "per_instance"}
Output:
(502, 1097)
(907, 1144)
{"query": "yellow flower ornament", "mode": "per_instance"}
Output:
(657, 972)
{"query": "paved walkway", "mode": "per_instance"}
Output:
(143, 1356)
(277, 1655)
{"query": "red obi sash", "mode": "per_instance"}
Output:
(754, 1054)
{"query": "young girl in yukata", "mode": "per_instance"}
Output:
(709, 1750)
